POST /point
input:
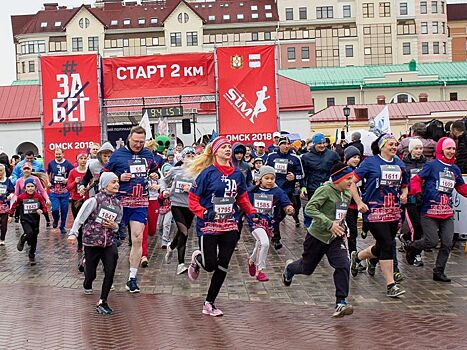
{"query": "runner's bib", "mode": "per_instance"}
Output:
(180, 184)
(341, 210)
(223, 207)
(446, 182)
(3, 189)
(414, 172)
(138, 168)
(390, 175)
(59, 179)
(108, 212)
(263, 203)
(30, 206)
(280, 165)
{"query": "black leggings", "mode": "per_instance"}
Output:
(3, 225)
(109, 257)
(31, 229)
(276, 233)
(212, 260)
(384, 234)
(75, 207)
(351, 220)
(414, 216)
(183, 219)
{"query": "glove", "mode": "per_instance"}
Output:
(209, 215)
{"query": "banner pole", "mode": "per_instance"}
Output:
(41, 109)
(102, 109)
(216, 79)
(276, 61)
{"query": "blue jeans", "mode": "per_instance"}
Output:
(60, 204)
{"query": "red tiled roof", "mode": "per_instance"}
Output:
(19, 103)
(396, 110)
(293, 95)
(117, 11)
(457, 12)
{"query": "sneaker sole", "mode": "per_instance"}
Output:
(284, 281)
(132, 291)
(353, 264)
(209, 314)
(396, 295)
(346, 312)
(100, 312)
(182, 272)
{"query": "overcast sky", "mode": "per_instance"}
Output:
(19, 7)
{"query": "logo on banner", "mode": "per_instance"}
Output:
(236, 62)
(254, 60)
(244, 107)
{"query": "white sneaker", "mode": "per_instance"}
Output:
(181, 268)
(2, 243)
(169, 255)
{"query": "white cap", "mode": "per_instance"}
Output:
(259, 144)
(276, 134)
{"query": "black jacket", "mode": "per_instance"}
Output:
(461, 154)
(317, 168)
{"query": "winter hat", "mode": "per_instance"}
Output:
(81, 155)
(105, 179)
(26, 165)
(218, 142)
(318, 138)
(382, 141)
(29, 180)
(351, 151)
(187, 150)
(283, 139)
(265, 170)
(297, 144)
(165, 167)
(170, 152)
(258, 159)
(448, 142)
(339, 172)
(356, 136)
(413, 143)
(276, 134)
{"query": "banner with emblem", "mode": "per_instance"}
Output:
(247, 110)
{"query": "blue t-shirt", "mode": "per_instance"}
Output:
(58, 173)
(440, 180)
(383, 181)
(218, 192)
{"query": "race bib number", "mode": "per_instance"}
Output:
(263, 203)
(181, 184)
(138, 168)
(414, 172)
(390, 175)
(30, 206)
(446, 182)
(3, 189)
(107, 212)
(280, 165)
(223, 207)
(59, 179)
(341, 210)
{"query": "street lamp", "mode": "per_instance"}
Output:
(346, 110)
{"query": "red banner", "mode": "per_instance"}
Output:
(159, 75)
(247, 93)
(70, 104)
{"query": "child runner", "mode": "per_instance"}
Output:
(7, 191)
(153, 216)
(257, 164)
(327, 235)
(100, 216)
(268, 200)
(164, 222)
(32, 207)
(441, 176)
(217, 193)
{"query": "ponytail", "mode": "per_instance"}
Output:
(202, 161)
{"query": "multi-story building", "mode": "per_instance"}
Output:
(308, 34)
(457, 23)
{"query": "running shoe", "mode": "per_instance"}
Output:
(405, 242)
(21, 242)
(286, 275)
(354, 263)
(193, 269)
(343, 309)
(103, 308)
(132, 285)
(169, 254)
(32, 261)
(63, 231)
(277, 245)
(144, 261)
(441, 277)
(370, 268)
(88, 291)
(2, 243)
(361, 267)
(81, 264)
(211, 310)
(394, 291)
(418, 261)
(398, 277)
(251, 269)
(181, 268)
(55, 225)
(79, 250)
(47, 224)
(262, 277)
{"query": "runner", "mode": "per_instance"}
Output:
(179, 182)
(327, 235)
(99, 217)
(214, 197)
(58, 171)
(20, 183)
(441, 177)
(164, 221)
(268, 200)
(36, 166)
(133, 164)
(7, 191)
(386, 184)
(94, 150)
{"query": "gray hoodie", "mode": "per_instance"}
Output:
(173, 182)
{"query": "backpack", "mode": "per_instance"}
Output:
(435, 130)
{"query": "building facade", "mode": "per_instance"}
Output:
(457, 23)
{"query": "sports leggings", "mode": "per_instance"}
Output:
(183, 219)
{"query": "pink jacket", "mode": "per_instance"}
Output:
(19, 187)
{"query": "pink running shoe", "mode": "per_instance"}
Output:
(251, 269)
(211, 310)
(193, 269)
(262, 277)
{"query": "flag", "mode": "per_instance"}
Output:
(213, 135)
(382, 123)
(163, 126)
(146, 125)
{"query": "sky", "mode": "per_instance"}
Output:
(20, 7)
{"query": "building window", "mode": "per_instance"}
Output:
(141, 21)
(406, 48)
(84, 23)
(23, 66)
(28, 47)
(289, 14)
(388, 50)
(330, 101)
(302, 14)
(348, 50)
(254, 36)
(367, 51)
(368, 10)
(366, 30)
(305, 53)
(424, 27)
(436, 47)
(403, 9)
(385, 9)
(324, 12)
(443, 26)
(31, 66)
(183, 17)
(192, 39)
(434, 7)
(442, 7)
(434, 27)
(387, 29)
(346, 11)
(126, 22)
(402, 98)
(77, 44)
(444, 47)
(267, 35)
(93, 43)
(423, 8)
(350, 100)
(425, 50)
(453, 96)
(176, 39)
(291, 53)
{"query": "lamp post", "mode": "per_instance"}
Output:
(346, 110)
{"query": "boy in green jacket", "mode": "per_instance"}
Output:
(327, 235)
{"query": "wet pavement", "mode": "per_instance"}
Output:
(43, 307)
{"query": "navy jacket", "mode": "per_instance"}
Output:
(241, 165)
(294, 166)
(317, 168)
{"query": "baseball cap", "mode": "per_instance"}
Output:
(26, 165)
(259, 144)
(276, 134)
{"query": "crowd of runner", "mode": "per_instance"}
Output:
(402, 189)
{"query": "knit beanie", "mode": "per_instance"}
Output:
(356, 136)
(265, 170)
(351, 151)
(448, 142)
(29, 180)
(318, 138)
(218, 142)
(414, 142)
(165, 167)
(187, 150)
(283, 139)
(339, 172)
(105, 179)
